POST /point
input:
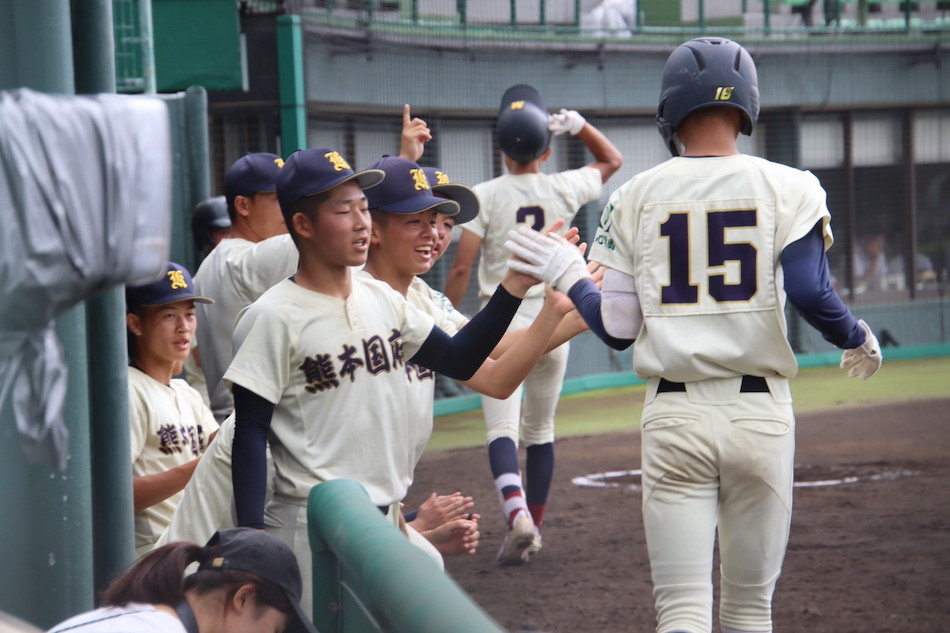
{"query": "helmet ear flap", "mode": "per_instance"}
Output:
(666, 129)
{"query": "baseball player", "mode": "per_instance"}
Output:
(403, 239)
(210, 223)
(238, 273)
(257, 255)
(242, 266)
(170, 425)
(702, 253)
(319, 370)
(526, 197)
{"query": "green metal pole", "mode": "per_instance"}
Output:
(46, 570)
(293, 100)
(197, 152)
(513, 12)
(147, 42)
(112, 508)
(702, 15)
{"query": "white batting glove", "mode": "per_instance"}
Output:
(863, 361)
(550, 258)
(566, 121)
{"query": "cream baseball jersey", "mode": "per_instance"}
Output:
(234, 274)
(536, 200)
(336, 371)
(169, 426)
(707, 263)
(420, 390)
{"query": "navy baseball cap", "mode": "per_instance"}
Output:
(175, 284)
(406, 189)
(464, 195)
(252, 173)
(262, 554)
(521, 92)
(311, 171)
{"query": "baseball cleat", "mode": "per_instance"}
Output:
(535, 546)
(518, 540)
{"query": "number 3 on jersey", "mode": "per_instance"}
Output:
(730, 269)
(532, 216)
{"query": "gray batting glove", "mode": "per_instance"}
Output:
(566, 121)
(863, 361)
(550, 258)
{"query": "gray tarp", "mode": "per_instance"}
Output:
(85, 202)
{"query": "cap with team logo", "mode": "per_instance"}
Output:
(464, 195)
(311, 171)
(175, 284)
(252, 173)
(406, 189)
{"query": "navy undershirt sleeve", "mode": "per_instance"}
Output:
(249, 456)
(460, 356)
(586, 297)
(809, 288)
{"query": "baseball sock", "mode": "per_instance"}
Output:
(503, 459)
(539, 469)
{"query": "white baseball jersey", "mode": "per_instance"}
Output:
(436, 304)
(337, 373)
(169, 426)
(135, 616)
(193, 374)
(234, 274)
(535, 200)
(707, 262)
(420, 393)
(206, 502)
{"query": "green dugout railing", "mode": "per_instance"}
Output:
(368, 577)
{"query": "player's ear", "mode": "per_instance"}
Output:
(134, 323)
(303, 225)
(375, 232)
(241, 206)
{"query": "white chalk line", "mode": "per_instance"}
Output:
(602, 480)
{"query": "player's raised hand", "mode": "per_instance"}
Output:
(572, 234)
(863, 361)
(415, 135)
(550, 258)
(566, 121)
(440, 509)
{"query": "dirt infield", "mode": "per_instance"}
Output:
(869, 549)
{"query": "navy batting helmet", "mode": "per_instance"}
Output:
(522, 126)
(705, 72)
(208, 215)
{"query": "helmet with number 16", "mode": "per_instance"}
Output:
(702, 73)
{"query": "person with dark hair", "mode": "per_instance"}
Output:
(170, 426)
(526, 196)
(320, 370)
(246, 581)
(703, 255)
(210, 223)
